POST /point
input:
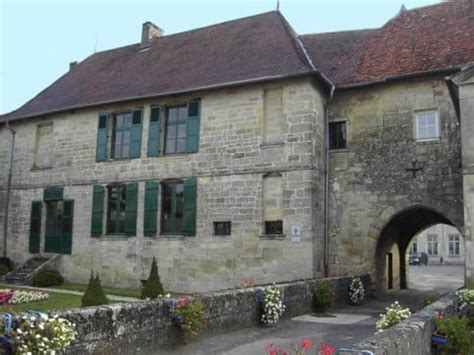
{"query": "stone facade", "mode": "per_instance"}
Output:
(230, 168)
(370, 186)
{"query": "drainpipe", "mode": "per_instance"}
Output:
(7, 197)
(326, 183)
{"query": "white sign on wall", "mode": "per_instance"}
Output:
(295, 234)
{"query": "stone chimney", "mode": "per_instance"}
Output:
(72, 65)
(149, 31)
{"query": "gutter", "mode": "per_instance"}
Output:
(326, 182)
(8, 190)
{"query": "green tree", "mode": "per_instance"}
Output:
(152, 287)
(94, 295)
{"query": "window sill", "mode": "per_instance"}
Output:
(342, 150)
(110, 237)
(273, 236)
(272, 145)
(435, 140)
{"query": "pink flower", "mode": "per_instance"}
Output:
(306, 343)
(271, 350)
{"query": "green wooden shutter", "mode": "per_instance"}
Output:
(97, 210)
(189, 210)
(136, 134)
(68, 218)
(35, 226)
(101, 149)
(192, 126)
(154, 132)
(131, 197)
(151, 208)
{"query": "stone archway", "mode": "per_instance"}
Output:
(393, 240)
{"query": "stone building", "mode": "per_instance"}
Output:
(442, 243)
(243, 150)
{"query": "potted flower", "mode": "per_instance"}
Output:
(356, 291)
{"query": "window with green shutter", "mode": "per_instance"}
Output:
(172, 207)
(131, 204)
(151, 208)
(35, 226)
(192, 126)
(189, 218)
(136, 133)
(116, 203)
(68, 218)
(97, 210)
(102, 137)
(154, 132)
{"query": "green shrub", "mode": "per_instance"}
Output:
(94, 295)
(3, 270)
(427, 300)
(47, 277)
(458, 333)
(193, 322)
(152, 287)
(323, 297)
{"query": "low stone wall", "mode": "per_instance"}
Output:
(413, 335)
(134, 326)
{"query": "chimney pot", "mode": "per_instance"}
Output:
(149, 31)
(72, 65)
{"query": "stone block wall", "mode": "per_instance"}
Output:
(229, 167)
(369, 183)
(137, 327)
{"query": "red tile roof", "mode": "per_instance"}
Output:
(421, 40)
(262, 47)
(257, 47)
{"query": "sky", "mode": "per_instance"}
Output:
(39, 38)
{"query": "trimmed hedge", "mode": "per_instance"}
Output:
(47, 277)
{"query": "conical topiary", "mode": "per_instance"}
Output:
(94, 295)
(152, 287)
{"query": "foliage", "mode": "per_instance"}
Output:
(323, 297)
(393, 315)
(249, 282)
(427, 300)
(4, 270)
(465, 297)
(273, 306)
(153, 286)
(356, 290)
(94, 295)
(47, 277)
(192, 315)
(458, 333)
(42, 335)
(21, 296)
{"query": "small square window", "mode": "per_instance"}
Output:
(337, 135)
(273, 227)
(222, 228)
(427, 126)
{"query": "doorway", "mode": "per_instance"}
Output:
(59, 218)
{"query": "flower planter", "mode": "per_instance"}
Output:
(438, 339)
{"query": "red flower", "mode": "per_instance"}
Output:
(306, 343)
(271, 350)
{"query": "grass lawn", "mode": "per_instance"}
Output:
(125, 292)
(55, 301)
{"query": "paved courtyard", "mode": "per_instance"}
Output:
(345, 326)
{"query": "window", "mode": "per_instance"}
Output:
(427, 126)
(273, 116)
(432, 244)
(222, 228)
(172, 208)
(454, 243)
(175, 131)
(116, 210)
(273, 227)
(337, 135)
(44, 148)
(121, 135)
(414, 248)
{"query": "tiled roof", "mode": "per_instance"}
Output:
(264, 47)
(426, 39)
(252, 48)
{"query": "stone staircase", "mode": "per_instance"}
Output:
(24, 274)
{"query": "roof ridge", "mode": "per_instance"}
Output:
(334, 32)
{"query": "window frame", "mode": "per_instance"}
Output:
(454, 242)
(417, 126)
(123, 194)
(113, 133)
(176, 124)
(267, 231)
(432, 244)
(172, 230)
(336, 122)
(227, 225)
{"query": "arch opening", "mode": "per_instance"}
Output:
(395, 239)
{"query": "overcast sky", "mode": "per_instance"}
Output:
(39, 38)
